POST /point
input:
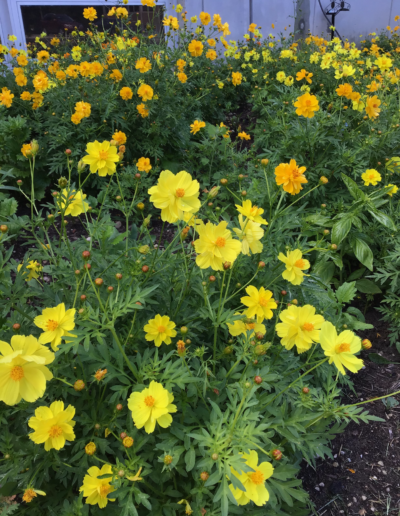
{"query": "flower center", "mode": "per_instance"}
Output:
(254, 210)
(55, 431)
(375, 105)
(104, 490)
(161, 329)
(149, 401)
(299, 263)
(251, 326)
(220, 242)
(51, 325)
(180, 192)
(343, 348)
(308, 326)
(257, 477)
(263, 301)
(308, 102)
(371, 176)
(103, 154)
(17, 373)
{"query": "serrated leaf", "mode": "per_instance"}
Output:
(346, 292)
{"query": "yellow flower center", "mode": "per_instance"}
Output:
(180, 192)
(371, 176)
(250, 326)
(104, 490)
(308, 102)
(299, 263)
(343, 348)
(55, 431)
(220, 242)
(161, 329)
(103, 154)
(29, 495)
(149, 401)
(51, 325)
(263, 301)
(17, 373)
(308, 326)
(254, 210)
(257, 477)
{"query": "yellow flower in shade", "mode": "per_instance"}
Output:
(250, 233)
(205, 18)
(33, 267)
(290, 176)
(372, 108)
(25, 95)
(145, 92)
(76, 204)
(56, 324)
(237, 78)
(252, 481)
(40, 82)
(241, 326)
(371, 177)
(300, 327)
(53, 425)
(211, 54)
(392, 189)
(306, 105)
(182, 77)
(259, 303)
(215, 246)
(244, 136)
(6, 97)
(174, 194)
(83, 109)
(90, 13)
(341, 348)
(160, 329)
(289, 80)
(126, 93)
(23, 371)
(90, 448)
(196, 126)
(152, 405)
(295, 265)
(116, 75)
(251, 212)
(195, 48)
(30, 494)
(95, 489)
(101, 157)
(144, 165)
(142, 110)
(143, 65)
(43, 56)
(119, 137)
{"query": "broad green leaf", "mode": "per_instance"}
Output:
(363, 252)
(367, 286)
(341, 229)
(353, 188)
(190, 459)
(381, 217)
(346, 292)
(377, 359)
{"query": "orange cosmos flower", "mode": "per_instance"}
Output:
(290, 176)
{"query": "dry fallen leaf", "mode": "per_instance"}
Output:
(361, 512)
(351, 470)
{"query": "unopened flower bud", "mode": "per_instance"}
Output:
(34, 147)
(81, 166)
(323, 206)
(145, 268)
(168, 460)
(276, 454)
(79, 385)
(227, 265)
(90, 448)
(3, 228)
(146, 221)
(283, 292)
(366, 344)
(323, 180)
(295, 302)
(128, 442)
(83, 297)
(122, 148)
(224, 182)
(228, 350)
(214, 456)
(97, 426)
(257, 380)
(118, 276)
(204, 476)
(121, 473)
(184, 330)
(244, 193)
(140, 206)
(68, 152)
(261, 265)
(213, 192)
(98, 282)
(334, 247)
(123, 435)
(305, 390)
(19, 182)
(110, 289)
(260, 350)
(212, 279)
(114, 143)
(86, 255)
(264, 162)
(16, 327)
(118, 198)
(119, 406)
(326, 231)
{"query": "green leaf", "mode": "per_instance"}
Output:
(353, 188)
(8, 207)
(377, 359)
(346, 292)
(367, 286)
(381, 217)
(363, 252)
(190, 459)
(129, 507)
(8, 489)
(340, 229)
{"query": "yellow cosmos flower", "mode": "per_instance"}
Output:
(160, 329)
(281, 76)
(56, 324)
(196, 126)
(119, 137)
(174, 194)
(126, 93)
(384, 63)
(306, 105)
(341, 348)
(244, 136)
(259, 303)
(152, 405)
(241, 326)
(290, 176)
(33, 267)
(345, 90)
(251, 212)
(195, 48)
(237, 78)
(252, 481)
(30, 494)
(101, 157)
(143, 65)
(295, 265)
(392, 189)
(182, 77)
(215, 246)
(6, 97)
(144, 165)
(142, 110)
(299, 327)
(250, 234)
(23, 371)
(76, 203)
(145, 92)
(95, 489)
(371, 177)
(372, 108)
(90, 13)
(53, 425)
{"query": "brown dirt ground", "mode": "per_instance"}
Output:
(364, 476)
